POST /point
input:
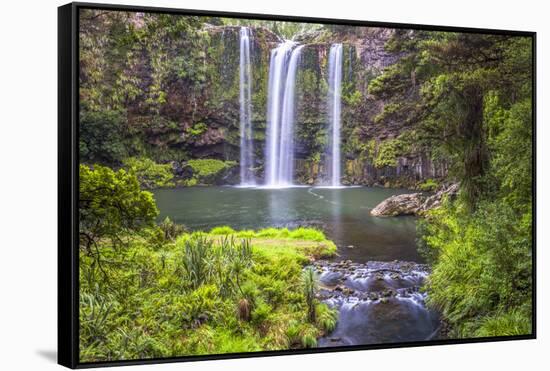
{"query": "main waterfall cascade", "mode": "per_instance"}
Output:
(280, 114)
(335, 107)
(247, 177)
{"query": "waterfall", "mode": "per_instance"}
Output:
(245, 100)
(280, 111)
(335, 88)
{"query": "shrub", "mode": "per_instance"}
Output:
(268, 232)
(101, 138)
(482, 273)
(310, 287)
(326, 317)
(387, 153)
(195, 260)
(196, 130)
(208, 171)
(170, 229)
(261, 312)
(309, 341)
(149, 173)
(223, 230)
(510, 323)
(429, 185)
(111, 204)
(210, 166)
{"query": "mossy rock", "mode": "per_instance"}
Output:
(209, 172)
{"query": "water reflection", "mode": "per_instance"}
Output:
(342, 213)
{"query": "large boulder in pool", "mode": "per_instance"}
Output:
(405, 204)
(414, 203)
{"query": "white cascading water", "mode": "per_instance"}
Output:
(245, 120)
(334, 103)
(280, 115)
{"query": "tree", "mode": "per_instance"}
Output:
(111, 205)
(439, 87)
(468, 97)
(101, 138)
(310, 286)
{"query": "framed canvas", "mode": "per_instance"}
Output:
(243, 185)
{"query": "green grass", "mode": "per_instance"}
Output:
(511, 323)
(311, 242)
(214, 292)
(301, 233)
(224, 230)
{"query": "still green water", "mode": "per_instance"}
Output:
(344, 215)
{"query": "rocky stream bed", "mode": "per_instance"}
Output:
(378, 302)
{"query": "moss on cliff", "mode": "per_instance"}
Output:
(206, 172)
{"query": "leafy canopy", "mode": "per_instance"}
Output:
(111, 205)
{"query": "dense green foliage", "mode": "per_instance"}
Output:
(468, 97)
(387, 153)
(111, 206)
(482, 275)
(208, 171)
(285, 30)
(428, 185)
(150, 174)
(158, 291)
(201, 294)
(101, 137)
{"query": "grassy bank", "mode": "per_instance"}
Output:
(156, 295)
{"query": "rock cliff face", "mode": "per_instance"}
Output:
(188, 114)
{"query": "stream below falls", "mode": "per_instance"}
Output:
(378, 302)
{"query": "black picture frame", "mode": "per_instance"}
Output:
(68, 184)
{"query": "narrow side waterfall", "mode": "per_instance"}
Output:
(334, 103)
(283, 66)
(245, 119)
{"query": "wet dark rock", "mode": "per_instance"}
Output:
(387, 294)
(348, 291)
(373, 296)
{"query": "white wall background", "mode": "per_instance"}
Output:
(28, 155)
